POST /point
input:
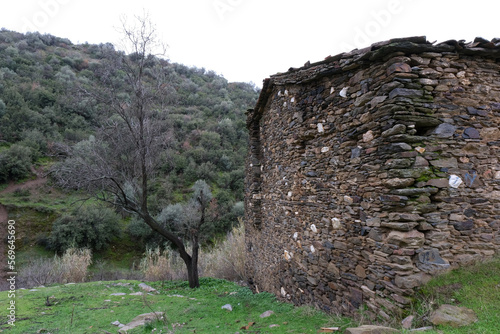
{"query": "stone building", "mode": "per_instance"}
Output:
(373, 170)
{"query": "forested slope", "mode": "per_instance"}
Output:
(43, 110)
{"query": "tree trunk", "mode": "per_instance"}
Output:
(192, 269)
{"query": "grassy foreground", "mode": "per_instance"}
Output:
(90, 308)
(476, 287)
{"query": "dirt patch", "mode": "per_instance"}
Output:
(35, 184)
(40, 180)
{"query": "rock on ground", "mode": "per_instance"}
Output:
(453, 316)
(370, 329)
(140, 320)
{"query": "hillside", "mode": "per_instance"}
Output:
(44, 112)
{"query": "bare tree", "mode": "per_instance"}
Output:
(118, 164)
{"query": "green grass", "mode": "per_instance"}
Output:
(89, 308)
(476, 287)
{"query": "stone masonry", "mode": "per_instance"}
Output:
(373, 170)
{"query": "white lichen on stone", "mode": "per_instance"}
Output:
(343, 92)
(336, 223)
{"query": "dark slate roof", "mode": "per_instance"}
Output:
(351, 60)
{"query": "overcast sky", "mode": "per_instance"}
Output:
(248, 40)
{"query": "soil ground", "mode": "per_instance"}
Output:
(31, 184)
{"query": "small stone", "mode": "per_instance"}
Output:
(471, 133)
(419, 149)
(402, 146)
(325, 149)
(445, 163)
(438, 183)
(140, 320)
(398, 68)
(406, 239)
(377, 100)
(399, 182)
(349, 200)
(368, 136)
(266, 314)
(444, 130)
(356, 152)
(320, 128)
(453, 316)
(136, 294)
(464, 225)
(227, 307)
(405, 92)
(420, 162)
(490, 134)
(360, 271)
(430, 261)
(395, 130)
(118, 294)
(336, 223)
(412, 281)
(147, 288)
(371, 329)
(407, 322)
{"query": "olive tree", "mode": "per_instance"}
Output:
(121, 161)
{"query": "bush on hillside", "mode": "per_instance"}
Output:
(90, 226)
(15, 163)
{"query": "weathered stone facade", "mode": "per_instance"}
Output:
(369, 172)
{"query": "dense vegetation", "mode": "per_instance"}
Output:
(43, 111)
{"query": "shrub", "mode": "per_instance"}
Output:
(88, 227)
(15, 163)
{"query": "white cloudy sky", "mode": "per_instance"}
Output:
(248, 40)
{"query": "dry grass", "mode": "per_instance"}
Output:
(157, 265)
(226, 260)
(74, 264)
(72, 267)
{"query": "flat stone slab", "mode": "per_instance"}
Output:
(370, 329)
(140, 320)
(453, 316)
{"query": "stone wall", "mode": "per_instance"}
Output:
(369, 172)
